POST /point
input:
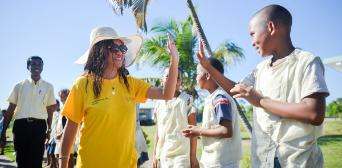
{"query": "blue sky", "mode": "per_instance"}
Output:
(58, 31)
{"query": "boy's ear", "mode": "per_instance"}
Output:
(207, 76)
(271, 27)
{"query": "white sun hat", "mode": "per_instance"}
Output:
(133, 43)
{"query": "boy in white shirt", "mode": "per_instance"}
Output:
(287, 91)
(220, 130)
(172, 150)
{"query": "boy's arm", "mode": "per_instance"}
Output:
(224, 82)
(223, 112)
(225, 130)
(193, 141)
(156, 138)
(311, 109)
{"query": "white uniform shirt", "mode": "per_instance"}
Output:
(53, 126)
(32, 99)
(289, 80)
(172, 117)
(220, 152)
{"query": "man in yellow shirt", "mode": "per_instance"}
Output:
(32, 102)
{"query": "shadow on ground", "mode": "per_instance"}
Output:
(327, 139)
(6, 163)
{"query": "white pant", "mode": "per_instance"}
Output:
(230, 165)
(177, 162)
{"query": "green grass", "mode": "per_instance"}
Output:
(149, 130)
(330, 143)
(9, 149)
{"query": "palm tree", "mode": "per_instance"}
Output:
(227, 52)
(230, 51)
(154, 51)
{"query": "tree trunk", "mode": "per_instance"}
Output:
(202, 36)
(198, 27)
(244, 119)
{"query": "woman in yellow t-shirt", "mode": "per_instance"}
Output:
(104, 99)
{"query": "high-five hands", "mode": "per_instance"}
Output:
(172, 48)
(203, 60)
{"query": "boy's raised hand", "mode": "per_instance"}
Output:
(172, 48)
(203, 60)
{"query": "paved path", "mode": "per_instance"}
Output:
(6, 162)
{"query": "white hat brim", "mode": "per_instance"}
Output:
(134, 44)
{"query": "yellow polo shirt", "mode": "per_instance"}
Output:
(32, 99)
(107, 135)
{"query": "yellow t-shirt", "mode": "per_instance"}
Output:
(107, 135)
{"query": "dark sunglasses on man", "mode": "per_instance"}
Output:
(114, 48)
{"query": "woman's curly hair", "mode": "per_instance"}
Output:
(96, 65)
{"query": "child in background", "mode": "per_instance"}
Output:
(52, 160)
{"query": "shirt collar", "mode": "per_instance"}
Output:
(212, 94)
(32, 82)
(290, 58)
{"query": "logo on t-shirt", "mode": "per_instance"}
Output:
(96, 101)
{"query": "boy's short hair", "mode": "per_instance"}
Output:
(216, 64)
(66, 91)
(58, 105)
(277, 14)
(28, 62)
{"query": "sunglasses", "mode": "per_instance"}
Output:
(114, 48)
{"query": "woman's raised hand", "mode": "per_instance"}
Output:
(172, 48)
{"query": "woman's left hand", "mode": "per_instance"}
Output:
(172, 48)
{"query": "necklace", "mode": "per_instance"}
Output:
(113, 90)
(112, 83)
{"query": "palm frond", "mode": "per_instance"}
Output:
(117, 6)
(153, 81)
(229, 53)
(138, 7)
(170, 27)
(154, 52)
